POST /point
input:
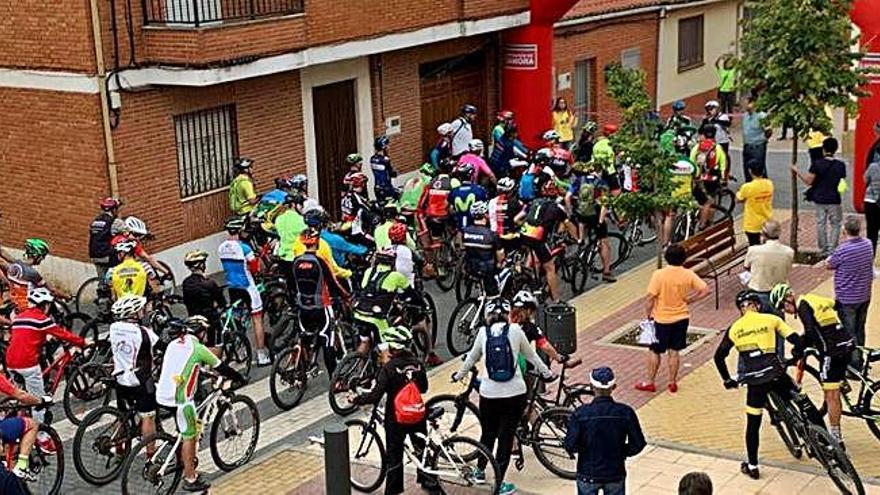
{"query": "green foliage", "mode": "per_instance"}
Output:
(800, 55)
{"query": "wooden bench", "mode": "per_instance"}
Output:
(713, 251)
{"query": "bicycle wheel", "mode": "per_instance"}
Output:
(870, 409)
(725, 201)
(460, 462)
(446, 266)
(464, 285)
(461, 417)
(87, 296)
(85, 390)
(352, 371)
(619, 249)
(100, 445)
(432, 313)
(835, 461)
(813, 388)
(288, 379)
(235, 432)
(463, 326)
(76, 322)
(163, 472)
(782, 421)
(366, 456)
(548, 442)
(644, 232)
(47, 466)
(239, 354)
(95, 330)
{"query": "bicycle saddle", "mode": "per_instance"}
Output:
(435, 412)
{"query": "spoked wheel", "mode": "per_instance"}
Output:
(366, 456)
(239, 354)
(235, 432)
(288, 379)
(85, 390)
(548, 442)
(722, 206)
(464, 466)
(463, 326)
(460, 417)
(619, 250)
(446, 264)
(836, 462)
(353, 371)
(589, 265)
(464, 285)
(870, 409)
(47, 466)
(157, 474)
(779, 419)
(92, 297)
(100, 445)
(642, 232)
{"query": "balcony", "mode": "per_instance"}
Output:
(203, 13)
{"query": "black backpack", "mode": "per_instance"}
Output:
(374, 301)
(309, 279)
(100, 234)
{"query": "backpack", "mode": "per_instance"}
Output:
(409, 406)
(533, 215)
(707, 158)
(309, 281)
(373, 300)
(527, 187)
(586, 204)
(100, 234)
(500, 361)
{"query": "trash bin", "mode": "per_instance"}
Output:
(560, 325)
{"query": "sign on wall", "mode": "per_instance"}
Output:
(521, 56)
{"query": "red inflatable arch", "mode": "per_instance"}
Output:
(866, 15)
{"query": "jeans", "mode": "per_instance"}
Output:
(610, 488)
(872, 219)
(33, 384)
(828, 214)
(853, 317)
(754, 152)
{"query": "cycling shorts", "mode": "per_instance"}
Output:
(613, 181)
(187, 420)
(142, 399)
(250, 297)
(369, 328)
(600, 229)
(833, 372)
(540, 248)
(756, 395)
(705, 190)
(11, 429)
(436, 226)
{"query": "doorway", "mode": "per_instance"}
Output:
(334, 115)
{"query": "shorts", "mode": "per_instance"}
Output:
(370, 329)
(142, 399)
(436, 226)
(670, 336)
(11, 429)
(187, 420)
(250, 297)
(756, 395)
(703, 192)
(833, 371)
(542, 252)
(599, 229)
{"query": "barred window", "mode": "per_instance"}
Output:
(631, 58)
(690, 43)
(207, 144)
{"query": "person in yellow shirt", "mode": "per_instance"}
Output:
(129, 277)
(564, 123)
(314, 220)
(757, 196)
(242, 198)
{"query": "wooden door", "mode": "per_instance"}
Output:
(333, 109)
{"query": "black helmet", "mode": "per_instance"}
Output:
(468, 109)
(244, 163)
(745, 296)
(314, 218)
(381, 142)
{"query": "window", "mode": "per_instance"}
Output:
(585, 89)
(207, 145)
(631, 58)
(690, 43)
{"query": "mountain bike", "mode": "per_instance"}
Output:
(294, 366)
(235, 348)
(46, 459)
(587, 263)
(93, 296)
(84, 387)
(446, 261)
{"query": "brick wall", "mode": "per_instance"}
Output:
(485, 8)
(695, 104)
(54, 169)
(46, 34)
(269, 117)
(605, 42)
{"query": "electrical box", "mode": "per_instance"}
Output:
(563, 81)
(392, 125)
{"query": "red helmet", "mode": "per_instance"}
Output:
(397, 233)
(609, 129)
(358, 180)
(504, 115)
(109, 203)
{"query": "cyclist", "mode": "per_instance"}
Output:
(523, 312)
(433, 211)
(391, 212)
(503, 210)
(178, 381)
(415, 187)
(100, 234)
(583, 150)
(443, 149)
(383, 171)
(462, 130)
(242, 197)
(340, 246)
(482, 174)
(132, 346)
(721, 122)
(137, 231)
(507, 148)
(678, 122)
(283, 186)
(503, 120)
(289, 224)
(482, 249)
(462, 197)
(129, 277)
(20, 429)
(539, 222)
(683, 172)
(754, 337)
(300, 188)
(606, 159)
(562, 158)
(315, 220)
(23, 275)
(585, 199)
(240, 264)
(202, 296)
(536, 175)
(824, 332)
(27, 337)
(380, 289)
(355, 165)
(711, 163)
(402, 369)
(356, 211)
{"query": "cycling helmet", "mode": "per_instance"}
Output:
(109, 203)
(35, 248)
(468, 109)
(551, 135)
(314, 218)
(386, 256)
(428, 169)
(40, 295)
(390, 211)
(465, 171)
(311, 238)
(497, 306)
(195, 258)
(525, 299)
(724, 119)
(475, 145)
(479, 209)
(196, 324)
(125, 246)
(543, 156)
(283, 183)
(358, 180)
(397, 233)
(300, 182)
(444, 129)
(244, 163)
(127, 307)
(506, 184)
(678, 106)
(234, 224)
(504, 115)
(381, 142)
(745, 296)
(397, 337)
(354, 159)
(136, 226)
(609, 129)
(712, 104)
(590, 127)
(778, 295)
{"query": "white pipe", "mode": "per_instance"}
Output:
(102, 95)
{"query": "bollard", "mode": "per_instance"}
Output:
(337, 471)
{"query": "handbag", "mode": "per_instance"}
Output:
(648, 334)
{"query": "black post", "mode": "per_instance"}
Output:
(337, 472)
(195, 6)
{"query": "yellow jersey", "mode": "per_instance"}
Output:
(325, 253)
(757, 331)
(128, 278)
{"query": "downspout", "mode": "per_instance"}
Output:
(104, 96)
(661, 42)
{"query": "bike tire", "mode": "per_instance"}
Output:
(363, 441)
(432, 312)
(548, 442)
(239, 354)
(76, 322)
(134, 474)
(98, 420)
(621, 252)
(455, 445)
(84, 383)
(870, 408)
(647, 233)
(288, 374)
(463, 326)
(87, 294)
(725, 201)
(461, 416)
(42, 463)
(231, 435)
(814, 373)
(835, 461)
(781, 420)
(446, 266)
(351, 369)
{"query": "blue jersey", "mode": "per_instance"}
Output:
(462, 197)
(340, 247)
(383, 172)
(234, 256)
(275, 196)
(527, 186)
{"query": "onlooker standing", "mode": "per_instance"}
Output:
(755, 135)
(603, 433)
(824, 178)
(564, 123)
(872, 196)
(463, 130)
(769, 263)
(874, 152)
(726, 82)
(695, 483)
(815, 140)
(670, 291)
(757, 197)
(853, 265)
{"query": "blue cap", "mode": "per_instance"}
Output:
(602, 377)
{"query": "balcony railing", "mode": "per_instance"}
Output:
(195, 13)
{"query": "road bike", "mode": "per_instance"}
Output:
(46, 459)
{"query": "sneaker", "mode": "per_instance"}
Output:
(433, 360)
(749, 471)
(608, 278)
(199, 485)
(478, 476)
(646, 387)
(24, 474)
(45, 443)
(263, 357)
(507, 489)
(673, 387)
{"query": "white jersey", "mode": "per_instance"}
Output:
(404, 263)
(126, 339)
(462, 134)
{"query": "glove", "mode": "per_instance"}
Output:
(549, 378)
(730, 384)
(458, 376)
(47, 400)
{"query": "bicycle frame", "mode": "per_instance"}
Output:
(55, 372)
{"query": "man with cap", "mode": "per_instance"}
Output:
(603, 433)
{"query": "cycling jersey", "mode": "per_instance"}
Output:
(325, 253)
(238, 262)
(441, 151)
(561, 161)
(679, 123)
(132, 355)
(502, 212)
(435, 202)
(710, 159)
(23, 277)
(480, 245)
(275, 197)
(505, 149)
(100, 234)
(481, 168)
(316, 286)
(383, 171)
(202, 296)
(412, 191)
(603, 155)
(340, 247)
(683, 176)
(380, 236)
(241, 193)
(822, 327)
(289, 225)
(754, 337)
(179, 377)
(28, 334)
(462, 197)
(542, 218)
(404, 264)
(379, 289)
(462, 135)
(128, 278)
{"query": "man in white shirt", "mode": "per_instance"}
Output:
(462, 130)
(768, 263)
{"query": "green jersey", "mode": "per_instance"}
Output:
(180, 370)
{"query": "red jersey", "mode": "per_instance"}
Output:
(29, 331)
(6, 387)
(435, 196)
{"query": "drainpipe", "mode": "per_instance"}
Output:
(661, 45)
(103, 95)
(528, 69)
(864, 15)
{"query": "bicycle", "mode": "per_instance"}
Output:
(47, 465)
(84, 388)
(95, 293)
(298, 363)
(467, 317)
(441, 457)
(446, 261)
(160, 472)
(587, 264)
(235, 348)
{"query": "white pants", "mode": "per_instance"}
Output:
(33, 383)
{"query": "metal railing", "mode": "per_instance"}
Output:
(197, 13)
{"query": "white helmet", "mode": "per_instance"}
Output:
(126, 246)
(128, 307)
(724, 118)
(40, 295)
(524, 298)
(479, 209)
(475, 145)
(136, 226)
(506, 184)
(712, 104)
(551, 135)
(444, 128)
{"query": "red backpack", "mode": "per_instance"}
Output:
(409, 407)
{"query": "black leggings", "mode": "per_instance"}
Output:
(872, 218)
(395, 435)
(499, 419)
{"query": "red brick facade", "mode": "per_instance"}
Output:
(46, 34)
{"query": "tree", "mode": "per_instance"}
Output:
(800, 57)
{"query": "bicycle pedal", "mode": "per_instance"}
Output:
(519, 464)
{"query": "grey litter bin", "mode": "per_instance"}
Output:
(560, 324)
